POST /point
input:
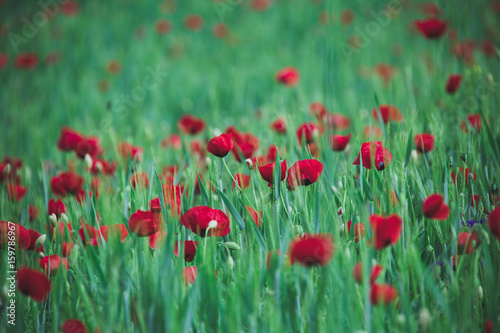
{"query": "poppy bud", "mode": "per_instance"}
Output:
(64, 217)
(230, 262)
(341, 230)
(249, 163)
(480, 292)
(212, 224)
(88, 161)
(53, 219)
(40, 241)
(424, 318)
(401, 319)
(7, 169)
(232, 246)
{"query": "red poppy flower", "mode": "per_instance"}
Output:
(474, 121)
(127, 150)
(256, 217)
(141, 179)
(260, 5)
(374, 153)
(220, 145)
(245, 144)
(162, 26)
(16, 192)
(267, 172)
(194, 22)
(388, 112)
(435, 208)
(487, 47)
(26, 61)
(199, 219)
(189, 124)
(494, 222)
(173, 140)
(66, 249)
(347, 16)
(189, 274)
(100, 166)
(272, 258)
(453, 83)
(382, 294)
(56, 207)
(318, 110)
(220, 30)
(372, 132)
(359, 231)
(467, 242)
(4, 60)
(288, 76)
(242, 180)
(386, 230)
(488, 325)
(339, 142)
(156, 239)
(22, 236)
(33, 284)
(304, 173)
(279, 126)
(311, 250)
(61, 230)
(51, 264)
(307, 131)
(424, 142)
(66, 182)
(357, 273)
(385, 71)
(114, 67)
(461, 174)
(34, 235)
(115, 231)
(69, 7)
(143, 223)
(431, 28)
(189, 250)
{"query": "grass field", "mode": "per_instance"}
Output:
(139, 194)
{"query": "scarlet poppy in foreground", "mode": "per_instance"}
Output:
(33, 284)
(386, 230)
(388, 112)
(288, 76)
(143, 223)
(435, 208)
(311, 250)
(220, 145)
(73, 326)
(189, 249)
(267, 172)
(189, 124)
(22, 236)
(199, 219)
(431, 28)
(424, 142)
(453, 83)
(304, 173)
(494, 222)
(374, 153)
(382, 294)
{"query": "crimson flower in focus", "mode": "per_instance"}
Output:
(202, 218)
(373, 153)
(267, 172)
(220, 145)
(304, 173)
(143, 223)
(435, 208)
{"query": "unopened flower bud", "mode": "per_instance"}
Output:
(480, 292)
(212, 224)
(424, 318)
(414, 155)
(40, 240)
(64, 217)
(88, 161)
(230, 262)
(249, 163)
(53, 219)
(232, 246)
(341, 230)
(7, 169)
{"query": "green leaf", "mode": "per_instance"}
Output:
(234, 212)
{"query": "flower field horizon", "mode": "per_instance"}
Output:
(249, 166)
